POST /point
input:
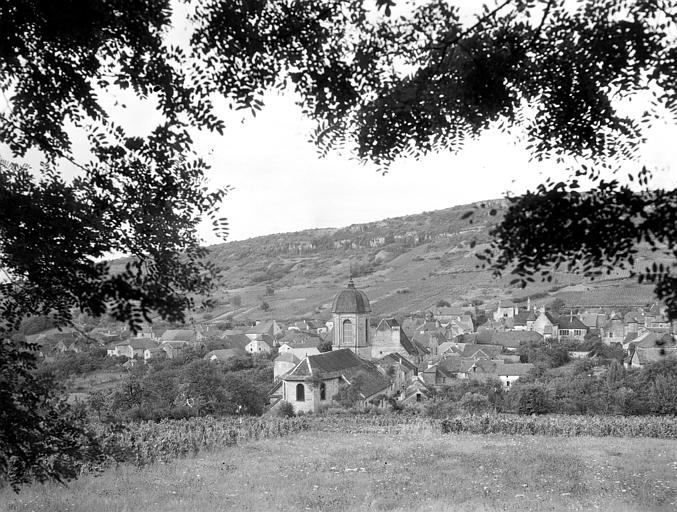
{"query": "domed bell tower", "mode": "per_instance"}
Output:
(350, 312)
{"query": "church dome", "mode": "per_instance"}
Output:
(351, 300)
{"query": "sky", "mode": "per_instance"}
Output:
(280, 184)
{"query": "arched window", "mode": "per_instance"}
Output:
(323, 391)
(348, 333)
(300, 393)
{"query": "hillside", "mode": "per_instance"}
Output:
(404, 264)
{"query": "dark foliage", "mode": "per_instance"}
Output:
(532, 400)
(41, 438)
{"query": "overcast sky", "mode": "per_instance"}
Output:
(281, 185)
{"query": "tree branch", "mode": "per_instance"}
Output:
(546, 12)
(467, 31)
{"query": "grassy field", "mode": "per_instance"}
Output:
(414, 470)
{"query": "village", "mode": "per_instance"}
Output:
(402, 359)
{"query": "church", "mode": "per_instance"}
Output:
(311, 383)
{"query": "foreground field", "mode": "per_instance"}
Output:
(414, 470)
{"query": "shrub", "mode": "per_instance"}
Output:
(286, 410)
(474, 403)
(532, 400)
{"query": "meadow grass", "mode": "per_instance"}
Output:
(415, 469)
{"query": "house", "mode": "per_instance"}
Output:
(284, 363)
(643, 356)
(570, 328)
(594, 319)
(134, 347)
(236, 341)
(302, 325)
(633, 320)
(417, 391)
(314, 381)
(649, 339)
(268, 327)
(505, 310)
(477, 351)
(399, 370)
(153, 354)
(523, 320)
(613, 330)
(459, 318)
(300, 338)
(128, 365)
(390, 338)
(509, 340)
(77, 346)
(546, 325)
(174, 349)
(222, 355)
(509, 373)
(258, 346)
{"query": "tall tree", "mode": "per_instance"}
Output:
(141, 196)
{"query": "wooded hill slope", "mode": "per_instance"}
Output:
(405, 264)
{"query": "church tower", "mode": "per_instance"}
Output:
(350, 312)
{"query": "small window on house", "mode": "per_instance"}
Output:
(418, 397)
(507, 383)
(323, 391)
(300, 393)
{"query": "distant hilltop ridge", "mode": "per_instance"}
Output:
(409, 229)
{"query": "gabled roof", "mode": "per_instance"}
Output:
(451, 311)
(297, 338)
(138, 343)
(420, 347)
(222, 354)
(570, 322)
(634, 317)
(389, 323)
(235, 341)
(372, 380)
(513, 370)
(481, 351)
(653, 355)
(342, 363)
(407, 344)
(654, 340)
(509, 339)
(447, 346)
(522, 317)
(174, 344)
(287, 357)
(266, 327)
(396, 358)
(334, 361)
(454, 365)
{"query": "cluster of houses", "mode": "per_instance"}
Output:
(397, 359)
(405, 361)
